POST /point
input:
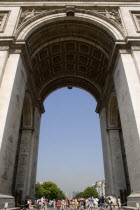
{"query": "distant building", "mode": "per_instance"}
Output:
(39, 183)
(99, 186)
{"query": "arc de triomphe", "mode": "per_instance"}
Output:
(46, 45)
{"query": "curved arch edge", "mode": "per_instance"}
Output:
(32, 24)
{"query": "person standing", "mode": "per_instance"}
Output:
(39, 204)
(110, 203)
(58, 204)
(96, 203)
(45, 204)
(42, 200)
(119, 202)
(54, 203)
(76, 204)
(90, 204)
(73, 205)
(102, 202)
(63, 204)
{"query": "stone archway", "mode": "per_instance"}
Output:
(77, 54)
(69, 47)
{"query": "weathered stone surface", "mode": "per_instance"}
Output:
(11, 95)
(128, 93)
(7, 200)
(110, 187)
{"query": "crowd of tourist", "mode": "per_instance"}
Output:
(74, 204)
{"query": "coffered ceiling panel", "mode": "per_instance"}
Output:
(71, 49)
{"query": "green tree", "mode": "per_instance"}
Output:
(49, 190)
(88, 192)
(38, 190)
(60, 195)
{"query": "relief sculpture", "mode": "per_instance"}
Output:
(111, 14)
(28, 14)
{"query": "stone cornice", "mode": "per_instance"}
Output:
(113, 128)
(83, 3)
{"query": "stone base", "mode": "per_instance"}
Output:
(7, 201)
(134, 200)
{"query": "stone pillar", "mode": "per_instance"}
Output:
(34, 155)
(27, 163)
(23, 163)
(113, 162)
(117, 161)
(108, 167)
(127, 84)
(136, 58)
(11, 101)
(3, 60)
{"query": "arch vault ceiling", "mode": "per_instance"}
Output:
(77, 52)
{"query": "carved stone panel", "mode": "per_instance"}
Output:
(136, 18)
(3, 20)
(112, 15)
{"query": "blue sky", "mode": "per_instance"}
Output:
(70, 150)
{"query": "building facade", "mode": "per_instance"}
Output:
(100, 186)
(90, 44)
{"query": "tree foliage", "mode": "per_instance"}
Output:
(48, 190)
(87, 193)
(38, 190)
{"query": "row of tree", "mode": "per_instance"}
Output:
(87, 193)
(48, 190)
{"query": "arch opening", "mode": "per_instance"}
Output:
(70, 139)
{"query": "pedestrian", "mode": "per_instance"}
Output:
(54, 203)
(95, 202)
(87, 203)
(58, 204)
(81, 204)
(90, 204)
(62, 204)
(39, 204)
(102, 202)
(119, 202)
(84, 204)
(73, 205)
(110, 203)
(30, 204)
(76, 204)
(42, 200)
(45, 204)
